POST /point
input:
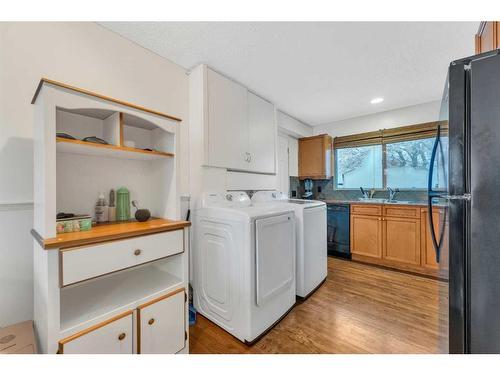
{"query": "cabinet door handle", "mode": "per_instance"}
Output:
(122, 336)
(151, 321)
(137, 252)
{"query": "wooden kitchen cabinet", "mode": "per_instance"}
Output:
(428, 251)
(315, 157)
(395, 236)
(366, 235)
(401, 240)
(488, 36)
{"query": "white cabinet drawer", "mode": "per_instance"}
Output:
(161, 324)
(113, 336)
(83, 263)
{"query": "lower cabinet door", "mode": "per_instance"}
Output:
(113, 336)
(366, 235)
(402, 240)
(162, 325)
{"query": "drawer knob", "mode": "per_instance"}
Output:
(122, 336)
(137, 252)
(151, 321)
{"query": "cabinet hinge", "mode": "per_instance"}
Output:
(185, 297)
(185, 335)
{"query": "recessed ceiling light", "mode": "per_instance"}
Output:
(376, 100)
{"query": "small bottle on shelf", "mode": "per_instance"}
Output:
(112, 208)
(101, 209)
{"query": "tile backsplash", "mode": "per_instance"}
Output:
(324, 189)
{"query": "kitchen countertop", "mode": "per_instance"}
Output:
(355, 201)
(109, 231)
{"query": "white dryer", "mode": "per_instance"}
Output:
(312, 248)
(244, 263)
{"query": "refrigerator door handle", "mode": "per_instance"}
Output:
(463, 197)
(432, 194)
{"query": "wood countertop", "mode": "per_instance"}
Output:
(109, 232)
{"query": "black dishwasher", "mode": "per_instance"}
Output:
(338, 230)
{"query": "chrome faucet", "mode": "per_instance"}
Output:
(365, 193)
(392, 193)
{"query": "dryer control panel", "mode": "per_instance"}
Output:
(229, 199)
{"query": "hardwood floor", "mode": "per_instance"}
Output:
(359, 309)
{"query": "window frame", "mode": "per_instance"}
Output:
(384, 137)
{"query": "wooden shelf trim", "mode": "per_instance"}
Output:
(114, 147)
(109, 232)
(100, 96)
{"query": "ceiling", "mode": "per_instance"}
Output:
(318, 72)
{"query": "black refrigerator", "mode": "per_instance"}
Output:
(466, 155)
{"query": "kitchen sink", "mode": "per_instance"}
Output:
(373, 200)
(383, 200)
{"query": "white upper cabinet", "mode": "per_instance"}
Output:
(227, 122)
(262, 135)
(239, 128)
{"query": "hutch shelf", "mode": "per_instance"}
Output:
(120, 287)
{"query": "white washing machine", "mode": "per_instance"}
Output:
(243, 263)
(312, 248)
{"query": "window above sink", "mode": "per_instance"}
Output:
(398, 157)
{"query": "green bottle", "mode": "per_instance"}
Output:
(122, 204)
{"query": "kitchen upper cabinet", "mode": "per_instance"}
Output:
(227, 122)
(262, 133)
(366, 235)
(401, 239)
(315, 157)
(488, 36)
(239, 130)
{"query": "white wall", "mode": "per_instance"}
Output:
(84, 55)
(293, 127)
(415, 114)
